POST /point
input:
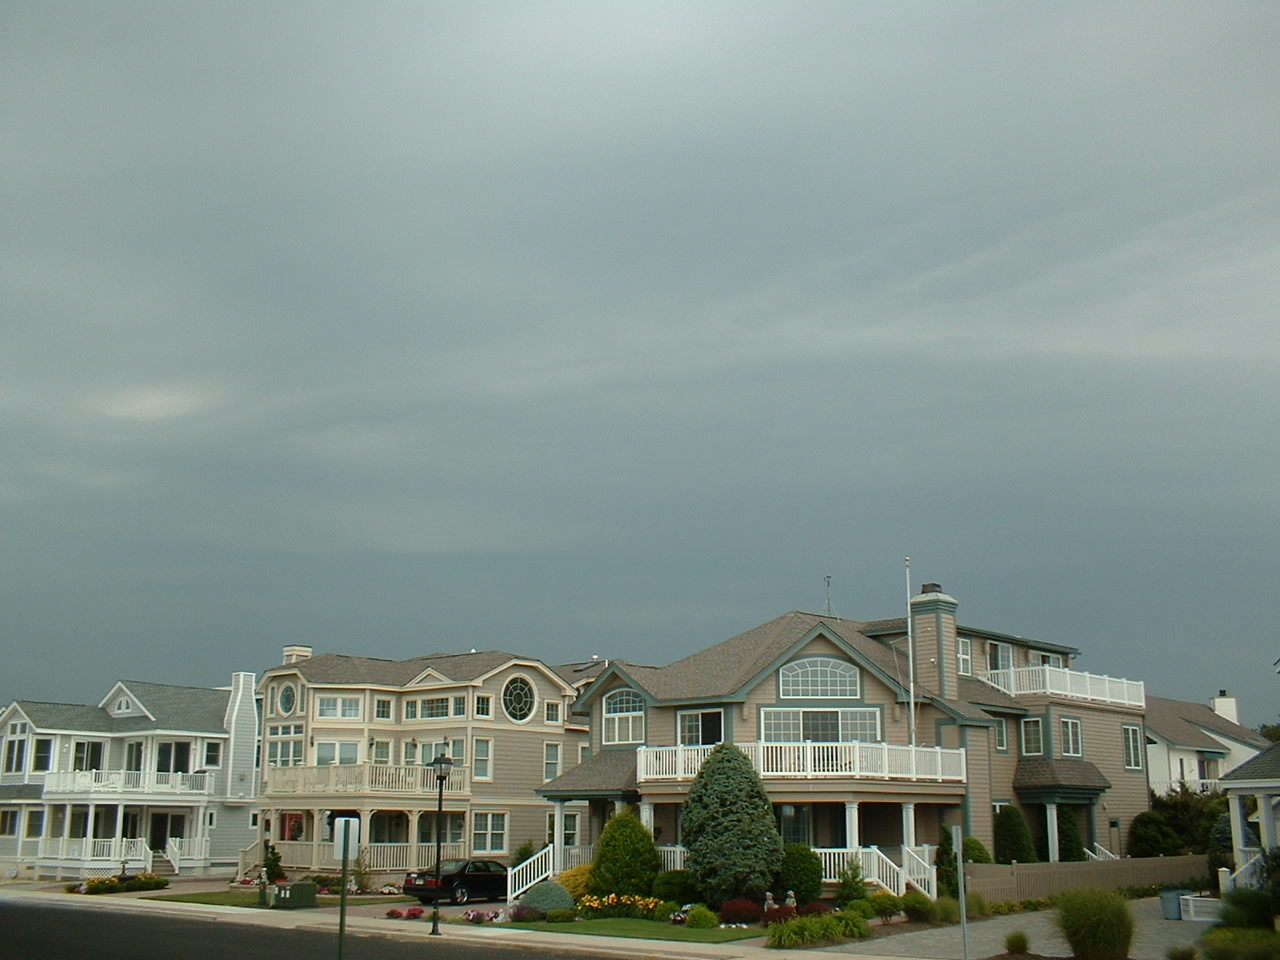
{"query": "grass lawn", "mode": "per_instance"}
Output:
(644, 930)
(249, 898)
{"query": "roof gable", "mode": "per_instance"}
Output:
(120, 702)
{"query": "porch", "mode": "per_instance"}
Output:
(810, 760)
(90, 783)
(362, 778)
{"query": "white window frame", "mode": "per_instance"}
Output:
(280, 702)
(411, 709)
(409, 753)
(482, 758)
(1002, 653)
(460, 706)
(484, 706)
(1027, 724)
(381, 755)
(551, 711)
(1049, 659)
(819, 678)
(584, 752)
(964, 656)
(327, 708)
(1071, 734)
(15, 755)
(383, 708)
(684, 727)
(35, 824)
(482, 825)
(1132, 735)
(350, 708)
(551, 767)
(786, 724)
(623, 726)
(35, 756)
(211, 819)
(216, 747)
(570, 835)
(8, 823)
(434, 708)
(346, 753)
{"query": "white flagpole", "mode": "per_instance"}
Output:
(911, 663)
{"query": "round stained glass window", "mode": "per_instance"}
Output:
(288, 700)
(517, 698)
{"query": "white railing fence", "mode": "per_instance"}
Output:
(250, 859)
(586, 853)
(1099, 852)
(536, 868)
(190, 849)
(1061, 682)
(879, 869)
(882, 761)
(127, 781)
(1195, 785)
(672, 857)
(920, 873)
(1248, 875)
(134, 853)
(362, 778)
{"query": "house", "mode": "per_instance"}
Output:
(856, 766)
(1259, 778)
(1193, 745)
(154, 777)
(355, 736)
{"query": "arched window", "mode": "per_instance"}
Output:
(819, 678)
(623, 717)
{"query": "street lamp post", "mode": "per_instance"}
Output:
(442, 765)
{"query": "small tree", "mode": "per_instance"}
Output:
(1151, 836)
(852, 887)
(729, 829)
(626, 860)
(800, 873)
(271, 862)
(1013, 837)
(975, 851)
(945, 860)
(523, 852)
(1191, 814)
(1070, 842)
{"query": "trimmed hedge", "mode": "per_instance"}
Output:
(626, 859)
(1098, 924)
(800, 872)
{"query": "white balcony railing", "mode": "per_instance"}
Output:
(876, 761)
(1061, 682)
(1195, 785)
(361, 778)
(383, 857)
(134, 852)
(96, 782)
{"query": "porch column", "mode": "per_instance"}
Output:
(646, 815)
(908, 824)
(557, 840)
(1266, 821)
(88, 832)
(1235, 807)
(851, 838)
(116, 851)
(1051, 830)
(366, 818)
(414, 817)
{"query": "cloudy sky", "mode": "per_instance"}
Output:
(614, 328)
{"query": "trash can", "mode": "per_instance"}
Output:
(293, 896)
(1171, 903)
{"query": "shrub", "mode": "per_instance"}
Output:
(144, 881)
(813, 907)
(948, 909)
(98, 885)
(71, 888)
(626, 859)
(700, 918)
(801, 872)
(1191, 815)
(918, 907)
(523, 913)
(778, 915)
(575, 880)
(1240, 943)
(728, 826)
(524, 852)
(413, 913)
(1098, 924)
(394, 914)
(853, 924)
(976, 907)
(862, 906)
(1013, 837)
(547, 895)
(1016, 942)
(885, 905)
(674, 885)
(1180, 953)
(945, 861)
(665, 909)
(741, 910)
(1244, 907)
(271, 862)
(1070, 843)
(852, 887)
(1151, 836)
(324, 881)
(975, 851)
(801, 931)
(561, 916)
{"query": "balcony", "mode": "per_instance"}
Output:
(115, 783)
(805, 761)
(360, 778)
(1195, 784)
(1072, 684)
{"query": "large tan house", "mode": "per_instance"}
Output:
(823, 707)
(355, 736)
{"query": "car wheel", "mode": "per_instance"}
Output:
(460, 894)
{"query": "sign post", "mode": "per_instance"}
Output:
(957, 841)
(346, 841)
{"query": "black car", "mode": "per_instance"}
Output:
(460, 881)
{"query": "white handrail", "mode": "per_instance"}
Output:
(127, 781)
(809, 760)
(879, 869)
(1061, 682)
(361, 778)
(536, 868)
(920, 872)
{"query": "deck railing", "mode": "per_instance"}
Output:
(538, 867)
(361, 778)
(1061, 682)
(379, 857)
(878, 761)
(95, 782)
(1195, 784)
(132, 851)
(586, 853)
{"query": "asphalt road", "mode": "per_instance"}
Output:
(59, 932)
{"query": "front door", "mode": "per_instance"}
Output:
(164, 826)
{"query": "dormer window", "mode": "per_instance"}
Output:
(288, 699)
(123, 705)
(819, 678)
(623, 717)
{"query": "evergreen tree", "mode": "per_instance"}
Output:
(1013, 837)
(975, 851)
(800, 873)
(1070, 843)
(1151, 836)
(626, 859)
(728, 827)
(945, 861)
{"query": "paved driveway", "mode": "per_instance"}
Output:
(1153, 937)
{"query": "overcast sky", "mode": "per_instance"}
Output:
(613, 329)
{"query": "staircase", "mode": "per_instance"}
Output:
(161, 867)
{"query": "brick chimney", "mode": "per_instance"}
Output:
(933, 623)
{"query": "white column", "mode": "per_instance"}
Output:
(115, 842)
(851, 838)
(557, 862)
(1051, 825)
(1235, 807)
(88, 832)
(908, 824)
(646, 815)
(1267, 821)
(414, 817)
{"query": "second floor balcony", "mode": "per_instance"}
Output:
(361, 778)
(1072, 684)
(93, 783)
(801, 761)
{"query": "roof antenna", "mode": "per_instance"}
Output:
(828, 610)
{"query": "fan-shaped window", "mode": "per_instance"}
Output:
(624, 717)
(819, 678)
(518, 699)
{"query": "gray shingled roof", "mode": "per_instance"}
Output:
(975, 691)
(1265, 766)
(1184, 723)
(607, 772)
(1041, 772)
(198, 709)
(340, 668)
